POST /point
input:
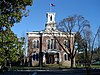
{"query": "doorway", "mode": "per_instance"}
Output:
(50, 58)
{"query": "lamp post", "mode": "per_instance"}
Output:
(40, 52)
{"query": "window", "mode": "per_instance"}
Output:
(36, 44)
(33, 56)
(36, 56)
(48, 44)
(50, 18)
(66, 43)
(65, 57)
(51, 44)
(55, 44)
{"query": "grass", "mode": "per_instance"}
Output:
(45, 67)
(23, 68)
(54, 66)
(95, 66)
(49, 67)
(91, 66)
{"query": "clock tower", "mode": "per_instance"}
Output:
(50, 24)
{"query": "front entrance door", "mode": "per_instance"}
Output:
(50, 58)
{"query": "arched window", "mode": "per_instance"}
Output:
(36, 44)
(66, 43)
(65, 57)
(51, 44)
(48, 44)
(55, 44)
(50, 18)
(35, 56)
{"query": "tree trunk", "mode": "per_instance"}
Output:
(72, 61)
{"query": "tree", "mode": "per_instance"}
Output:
(87, 35)
(10, 12)
(13, 11)
(93, 42)
(96, 54)
(79, 58)
(75, 24)
(99, 37)
(93, 52)
(8, 47)
(21, 50)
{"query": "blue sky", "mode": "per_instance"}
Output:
(36, 20)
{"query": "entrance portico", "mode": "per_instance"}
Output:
(52, 56)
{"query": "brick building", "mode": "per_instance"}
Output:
(51, 50)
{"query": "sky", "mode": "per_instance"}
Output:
(90, 9)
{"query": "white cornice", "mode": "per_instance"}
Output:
(49, 33)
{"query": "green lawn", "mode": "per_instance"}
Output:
(50, 66)
(92, 66)
(95, 66)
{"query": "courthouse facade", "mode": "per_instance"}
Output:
(52, 52)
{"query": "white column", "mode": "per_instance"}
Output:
(60, 57)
